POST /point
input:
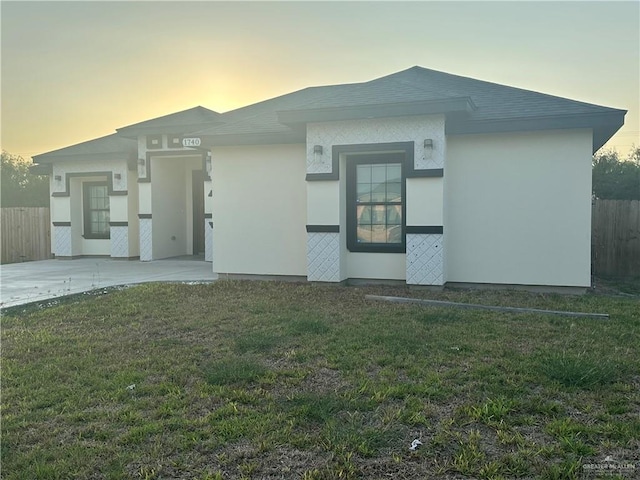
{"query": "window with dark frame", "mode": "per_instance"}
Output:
(96, 210)
(376, 203)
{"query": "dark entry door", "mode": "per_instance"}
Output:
(197, 188)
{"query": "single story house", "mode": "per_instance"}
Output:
(420, 176)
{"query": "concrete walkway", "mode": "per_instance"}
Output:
(22, 283)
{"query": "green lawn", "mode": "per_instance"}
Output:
(269, 380)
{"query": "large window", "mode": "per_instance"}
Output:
(96, 209)
(375, 209)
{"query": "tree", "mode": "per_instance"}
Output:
(19, 187)
(615, 178)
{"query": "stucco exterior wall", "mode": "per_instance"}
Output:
(68, 208)
(118, 208)
(172, 205)
(60, 209)
(425, 201)
(169, 208)
(77, 227)
(381, 266)
(74, 167)
(259, 210)
(326, 200)
(323, 203)
(132, 215)
(165, 199)
(208, 222)
(144, 198)
(381, 130)
(518, 208)
(190, 164)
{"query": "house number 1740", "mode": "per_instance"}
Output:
(190, 142)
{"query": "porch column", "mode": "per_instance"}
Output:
(61, 235)
(208, 218)
(324, 262)
(119, 225)
(146, 222)
(425, 214)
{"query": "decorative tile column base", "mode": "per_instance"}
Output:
(208, 240)
(119, 241)
(323, 256)
(146, 245)
(62, 242)
(425, 259)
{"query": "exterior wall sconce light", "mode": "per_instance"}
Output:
(428, 147)
(207, 163)
(317, 149)
(117, 176)
(58, 178)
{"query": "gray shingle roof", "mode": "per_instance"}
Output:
(179, 122)
(479, 106)
(493, 101)
(491, 107)
(262, 117)
(112, 146)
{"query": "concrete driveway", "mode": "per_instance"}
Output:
(22, 283)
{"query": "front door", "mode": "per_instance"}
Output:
(198, 211)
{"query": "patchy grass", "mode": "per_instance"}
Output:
(239, 380)
(580, 370)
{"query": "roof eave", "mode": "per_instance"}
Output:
(91, 157)
(134, 132)
(41, 169)
(602, 133)
(238, 139)
(431, 107)
(604, 125)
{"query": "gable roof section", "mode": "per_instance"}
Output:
(178, 123)
(471, 106)
(104, 148)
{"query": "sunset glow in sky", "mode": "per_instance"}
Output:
(73, 71)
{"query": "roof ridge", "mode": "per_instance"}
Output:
(373, 81)
(300, 105)
(315, 87)
(263, 102)
(197, 108)
(496, 85)
(417, 86)
(332, 95)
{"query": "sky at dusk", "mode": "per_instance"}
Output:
(73, 71)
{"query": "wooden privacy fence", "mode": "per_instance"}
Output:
(615, 238)
(25, 234)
